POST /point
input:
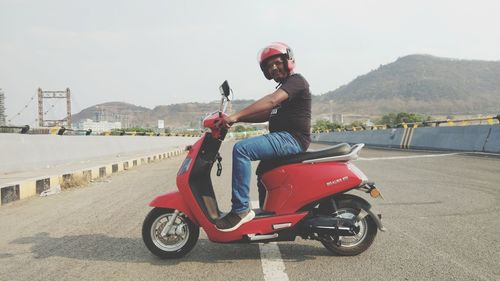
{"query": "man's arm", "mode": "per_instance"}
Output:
(257, 117)
(258, 109)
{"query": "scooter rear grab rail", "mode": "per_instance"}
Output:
(352, 155)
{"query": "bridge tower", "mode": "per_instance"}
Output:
(54, 95)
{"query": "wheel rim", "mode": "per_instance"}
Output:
(176, 238)
(361, 228)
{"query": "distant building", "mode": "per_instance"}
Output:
(2, 108)
(98, 127)
(349, 118)
(338, 118)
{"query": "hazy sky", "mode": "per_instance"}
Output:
(152, 53)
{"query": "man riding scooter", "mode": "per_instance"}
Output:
(288, 110)
(307, 193)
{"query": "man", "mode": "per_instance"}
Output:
(288, 110)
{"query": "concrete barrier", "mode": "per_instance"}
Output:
(381, 138)
(492, 143)
(476, 138)
(24, 152)
(460, 138)
(27, 187)
(32, 164)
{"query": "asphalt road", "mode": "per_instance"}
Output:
(441, 211)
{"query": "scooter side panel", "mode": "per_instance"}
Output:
(278, 196)
(173, 200)
(306, 183)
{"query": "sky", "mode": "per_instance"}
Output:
(160, 52)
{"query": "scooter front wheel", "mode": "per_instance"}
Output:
(169, 233)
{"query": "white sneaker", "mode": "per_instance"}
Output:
(232, 221)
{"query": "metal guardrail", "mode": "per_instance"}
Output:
(64, 131)
(15, 129)
(450, 122)
(77, 132)
(152, 134)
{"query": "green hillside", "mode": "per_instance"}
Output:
(420, 83)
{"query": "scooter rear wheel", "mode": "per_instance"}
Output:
(181, 238)
(365, 232)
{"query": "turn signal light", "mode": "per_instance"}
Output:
(374, 193)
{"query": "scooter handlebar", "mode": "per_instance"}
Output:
(215, 120)
(214, 123)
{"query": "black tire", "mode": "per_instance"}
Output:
(351, 245)
(174, 245)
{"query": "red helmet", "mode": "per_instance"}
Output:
(276, 49)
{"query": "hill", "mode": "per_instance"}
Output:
(420, 83)
(184, 115)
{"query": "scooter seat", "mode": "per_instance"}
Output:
(336, 150)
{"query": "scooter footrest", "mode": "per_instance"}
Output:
(258, 237)
(261, 213)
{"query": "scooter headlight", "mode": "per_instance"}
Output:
(185, 166)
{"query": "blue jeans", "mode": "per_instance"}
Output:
(269, 146)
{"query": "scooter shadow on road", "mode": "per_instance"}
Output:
(100, 247)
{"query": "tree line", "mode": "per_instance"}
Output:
(389, 120)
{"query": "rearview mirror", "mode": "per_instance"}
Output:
(224, 89)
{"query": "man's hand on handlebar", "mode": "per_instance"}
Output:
(230, 120)
(226, 122)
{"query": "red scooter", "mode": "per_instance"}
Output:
(306, 197)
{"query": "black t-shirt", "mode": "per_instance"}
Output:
(294, 114)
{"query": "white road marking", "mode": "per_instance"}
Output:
(407, 157)
(273, 266)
